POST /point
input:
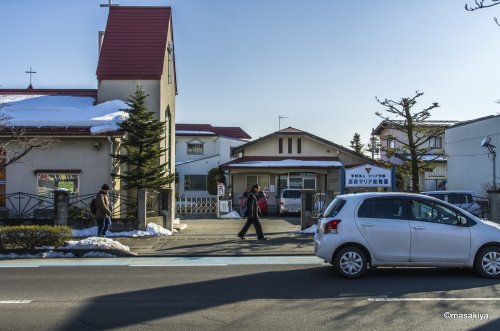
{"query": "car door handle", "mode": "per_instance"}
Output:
(418, 227)
(367, 224)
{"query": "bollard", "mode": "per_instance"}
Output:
(141, 209)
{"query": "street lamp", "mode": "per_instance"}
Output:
(486, 142)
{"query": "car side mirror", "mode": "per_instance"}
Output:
(462, 220)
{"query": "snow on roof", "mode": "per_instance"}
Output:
(188, 132)
(63, 111)
(288, 163)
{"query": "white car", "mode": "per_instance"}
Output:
(290, 201)
(358, 231)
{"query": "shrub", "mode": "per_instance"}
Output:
(32, 236)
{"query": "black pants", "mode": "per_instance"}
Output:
(256, 223)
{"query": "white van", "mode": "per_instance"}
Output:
(290, 201)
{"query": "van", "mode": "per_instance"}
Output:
(290, 201)
(461, 199)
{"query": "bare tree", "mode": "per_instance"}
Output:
(416, 150)
(15, 145)
(480, 4)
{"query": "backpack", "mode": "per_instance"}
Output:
(93, 207)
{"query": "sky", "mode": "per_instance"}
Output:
(319, 63)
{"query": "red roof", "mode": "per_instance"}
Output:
(135, 43)
(225, 131)
(69, 92)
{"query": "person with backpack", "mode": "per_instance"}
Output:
(103, 211)
(252, 209)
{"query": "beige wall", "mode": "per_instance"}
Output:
(66, 154)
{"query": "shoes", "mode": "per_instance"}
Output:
(241, 238)
(264, 238)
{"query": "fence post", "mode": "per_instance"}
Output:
(141, 209)
(61, 207)
(494, 201)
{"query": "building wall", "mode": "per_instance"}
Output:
(66, 154)
(469, 167)
(217, 148)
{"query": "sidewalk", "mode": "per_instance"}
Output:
(213, 237)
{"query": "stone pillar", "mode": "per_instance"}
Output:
(141, 210)
(165, 206)
(61, 207)
(494, 200)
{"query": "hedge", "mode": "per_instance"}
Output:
(32, 236)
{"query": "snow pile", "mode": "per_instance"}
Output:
(65, 111)
(233, 214)
(310, 230)
(152, 229)
(44, 255)
(98, 254)
(95, 243)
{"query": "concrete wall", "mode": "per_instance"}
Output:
(469, 167)
(67, 154)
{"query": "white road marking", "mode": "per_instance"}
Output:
(430, 299)
(19, 266)
(178, 265)
(14, 301)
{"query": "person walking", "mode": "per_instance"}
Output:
(253, 215)
(103, 212)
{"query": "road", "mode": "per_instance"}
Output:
(247, 293)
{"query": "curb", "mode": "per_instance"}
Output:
(77, 252)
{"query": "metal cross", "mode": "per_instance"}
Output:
(31, 72)
(279, 121)
(109, 4)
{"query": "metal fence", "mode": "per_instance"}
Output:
(26, 206)
(196, 207)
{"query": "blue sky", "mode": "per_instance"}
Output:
(243, 63)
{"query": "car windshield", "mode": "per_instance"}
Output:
(291, 194)
(334, 207)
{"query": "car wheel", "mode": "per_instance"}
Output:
(488, 262)
(350, 262)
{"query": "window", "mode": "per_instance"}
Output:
(299, 146)
(458, 198)
(436, 142)
(381, 208)
(334, 208)
(309, 183)
(49, 181)
(432, 212)
(280, 145)
(195, 182)
(262, 180)
(195, 149)
(391, 143)
(289, 145)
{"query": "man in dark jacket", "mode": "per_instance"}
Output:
(103, 211)
(253, 215)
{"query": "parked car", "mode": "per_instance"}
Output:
(290, 201)
(261, 203)
(461, 199)
(363, 230)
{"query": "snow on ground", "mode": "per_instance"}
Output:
(152, 229)
(44, 255)
(233, 214)
(312, 229)
(95, 243)
(65, 111)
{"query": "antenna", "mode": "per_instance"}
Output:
(279, 121)
(109, 4)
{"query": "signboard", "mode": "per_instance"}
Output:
(368, 175)
(220, 189)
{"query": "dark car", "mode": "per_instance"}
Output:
(261, 203)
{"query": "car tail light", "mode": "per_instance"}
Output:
(331, 226)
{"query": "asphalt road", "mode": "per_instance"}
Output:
(200, 294)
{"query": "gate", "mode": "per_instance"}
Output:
(196, 207)
(24, 207)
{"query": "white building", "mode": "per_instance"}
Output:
(470, 166)
(199, 148)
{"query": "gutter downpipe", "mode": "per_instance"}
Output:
(111, 149)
